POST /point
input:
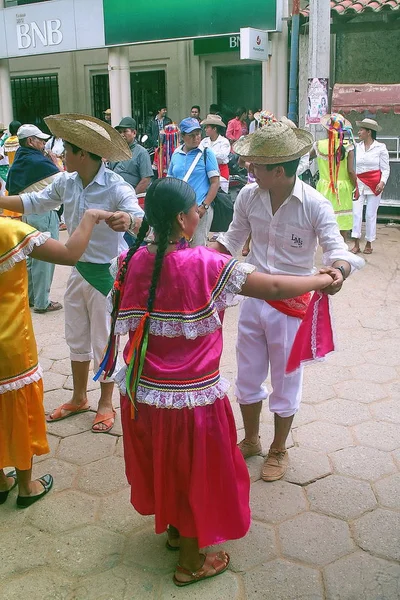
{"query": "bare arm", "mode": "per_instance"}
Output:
(350, 168)
(13, 203)
(53, 251)
(142, 185)
(277, 287)
(219, 247)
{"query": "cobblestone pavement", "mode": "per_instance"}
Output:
(330, 530)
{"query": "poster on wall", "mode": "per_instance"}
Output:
(317, 98)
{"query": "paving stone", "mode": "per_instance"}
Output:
(93, 397)
(267, 435)
(45, 363)
(24, 549)
(342, 412)
(305, 414)
(117, 513)
(72, 425)
(120, 583)
(361, 576)
(62, 366)
(64, 474)
(346, 358)
(387, 410)
(341, 497)
(306, 466)
(117, 429)
(88, 550)
(64, 511)
(358, 391)
(259, 546)
(40, 584)
(144, 549)
(379, 533)
(283, 580)
(9, 517)
(324, 371)
(386, 357)
(375, 373)
(314, 538)
(86, 447)
(223, 587)
(388, 491)
(277, 501)
(53, 381)
(363, 463)
(323, 436)
(53, 442)
(384, 436)
(254, 466)
(103, 476)
(119, 448)
(55, 398)
(316, 390)
(55, 351)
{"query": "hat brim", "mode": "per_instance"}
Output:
(273, 154)
(371, 126)
(324, 122)
(191, 130)
(216, 124)
(90, 134)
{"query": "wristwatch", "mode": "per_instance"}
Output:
(131, 223)
(206, 206)
(343, 272)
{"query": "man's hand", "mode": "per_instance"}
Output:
(99, 215)
(337, 282)
(202, 211)
(379, 188)
(119, 221)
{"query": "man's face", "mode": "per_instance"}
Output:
(163, 112)
(263, 177)
(72, 161)
(128, 134)
(107, 117)
(195, 113)
(192, 139)
(37, 143)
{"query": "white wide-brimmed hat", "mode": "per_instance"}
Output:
(213, 120)
(369, 124)
(274, 143)
(90, 134)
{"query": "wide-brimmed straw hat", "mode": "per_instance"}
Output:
(90, 134)
(274, 143)
(334, 122)
(369, 124)
(213, 120)
(2, 126)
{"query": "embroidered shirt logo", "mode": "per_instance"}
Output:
(297, 242)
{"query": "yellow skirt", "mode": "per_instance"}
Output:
(22, 426)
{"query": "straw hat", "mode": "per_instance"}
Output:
(213, 120)
(335, 122)
(274, 143)
(369, 124)
(90, 134)
(2, 127)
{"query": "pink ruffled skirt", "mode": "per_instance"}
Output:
(185, 468)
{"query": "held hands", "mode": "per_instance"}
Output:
(334, 286)
(99, 215)
(119, 221)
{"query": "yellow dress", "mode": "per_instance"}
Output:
(22, 419)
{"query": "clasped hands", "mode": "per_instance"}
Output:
(337, 280)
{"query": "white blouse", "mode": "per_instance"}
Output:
(221, 148)
(376, 157)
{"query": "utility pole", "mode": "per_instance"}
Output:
(6, 109)
(319, 51)
(294, 62)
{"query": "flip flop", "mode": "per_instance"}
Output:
(108, 417)
(4, 495)
(25, 501)
(368, 250)
(75, 410)
(355, 250)
(209, 564)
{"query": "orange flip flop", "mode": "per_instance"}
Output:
(108, 419)
(75, 410)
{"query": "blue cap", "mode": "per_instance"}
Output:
(188, 125)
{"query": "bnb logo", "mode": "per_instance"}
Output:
(258, 40)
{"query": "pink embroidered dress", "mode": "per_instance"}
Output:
(182, 461)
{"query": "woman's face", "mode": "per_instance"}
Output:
(250, 115)
(189, 221)
(211, 132)
(243, 116)
(363, 134)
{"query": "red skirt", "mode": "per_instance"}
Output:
(185, 468)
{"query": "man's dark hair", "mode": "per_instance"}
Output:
(13, 127)
(76, 149)
(160, 107)
(214, 109)
(196, 106)
(373, 134)
(220, 130)
(289, 167)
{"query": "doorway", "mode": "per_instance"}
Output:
(238, 85)
(34, 98)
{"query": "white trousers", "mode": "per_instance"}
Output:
(87, 321)
(371, 214)
(265, 338)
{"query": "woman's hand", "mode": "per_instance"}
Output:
(98, 214)
(379, 188)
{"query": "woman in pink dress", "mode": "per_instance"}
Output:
(181, 457)
(237, 126)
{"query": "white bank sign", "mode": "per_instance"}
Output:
(58, 26)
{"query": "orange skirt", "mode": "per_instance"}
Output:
(22, 426)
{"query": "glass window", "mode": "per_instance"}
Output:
(34, 98)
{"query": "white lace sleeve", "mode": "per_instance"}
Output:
(23, 250)
(234, 285)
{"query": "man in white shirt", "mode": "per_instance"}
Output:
(87, 184)
(286, 218)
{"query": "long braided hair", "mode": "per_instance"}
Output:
(165, 200)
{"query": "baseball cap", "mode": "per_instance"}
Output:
(188, 125)
(127, 123)
(26, 131)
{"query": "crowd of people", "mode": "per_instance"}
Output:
(168, 292)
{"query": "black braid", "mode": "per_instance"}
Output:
(162, 245)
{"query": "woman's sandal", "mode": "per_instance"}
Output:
(108, 419)
(4, 495)
(355, 250)
(74, 409)
(214, 564)
(368, 250)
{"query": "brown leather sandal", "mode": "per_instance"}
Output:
(214, 564)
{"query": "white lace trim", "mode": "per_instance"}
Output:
(17, 385)
(204, 326)
(175, 399)
(24, 252)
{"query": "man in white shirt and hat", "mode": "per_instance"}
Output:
(286, 219)
(87, 183)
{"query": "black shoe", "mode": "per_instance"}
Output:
(4, 495)
(25, 501)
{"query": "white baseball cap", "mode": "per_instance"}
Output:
(26, 131)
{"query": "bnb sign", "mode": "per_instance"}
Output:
(29, 34)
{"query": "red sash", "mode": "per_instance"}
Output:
(292, 307)
(371, 179)
(224, 171)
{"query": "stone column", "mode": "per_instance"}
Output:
(120, 83)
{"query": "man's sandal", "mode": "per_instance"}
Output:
(108, 419)
(74, 409)
(368, 250)
(214, 564)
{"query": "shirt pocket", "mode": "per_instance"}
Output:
(297, 245)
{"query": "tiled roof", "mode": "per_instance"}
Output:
(366, 97)
(342, 7)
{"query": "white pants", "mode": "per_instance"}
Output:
(265, 337)
(87, 321)
(371, 213)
